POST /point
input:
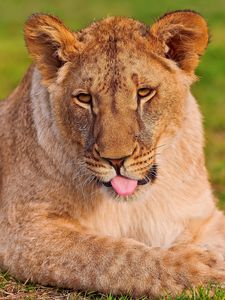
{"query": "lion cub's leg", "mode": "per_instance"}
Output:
(50, 253)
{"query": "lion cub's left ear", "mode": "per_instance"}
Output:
(181, 36)
(50, 44)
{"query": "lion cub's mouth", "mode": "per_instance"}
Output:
(124, 186)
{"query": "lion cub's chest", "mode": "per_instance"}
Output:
(137, 219)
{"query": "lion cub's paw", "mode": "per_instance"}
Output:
(190, 266)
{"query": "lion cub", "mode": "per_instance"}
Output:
(103, 183)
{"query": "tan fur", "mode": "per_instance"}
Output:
(59, 224)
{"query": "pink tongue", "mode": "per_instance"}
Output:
(123, 186)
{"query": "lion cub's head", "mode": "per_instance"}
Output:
(117, 87)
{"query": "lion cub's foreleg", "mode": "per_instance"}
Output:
(53, 254)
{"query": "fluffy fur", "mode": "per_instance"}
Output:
(59, 224)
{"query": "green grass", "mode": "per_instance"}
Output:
(13, 289)
(210, 91)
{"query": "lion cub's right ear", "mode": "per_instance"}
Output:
(183, 36)
(50, 44)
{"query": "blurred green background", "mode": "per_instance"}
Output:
(210, 90)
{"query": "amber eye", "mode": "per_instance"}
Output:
(145, 92)
(84, 98)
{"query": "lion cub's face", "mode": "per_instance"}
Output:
(117, 87)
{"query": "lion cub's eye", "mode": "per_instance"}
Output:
(84, 98)
(146, 92)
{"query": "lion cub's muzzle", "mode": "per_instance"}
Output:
(123, 174)
(151, 177)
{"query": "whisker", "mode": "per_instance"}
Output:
(159, 146)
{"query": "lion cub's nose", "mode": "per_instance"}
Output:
(116, 163)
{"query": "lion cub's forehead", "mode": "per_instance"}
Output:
(117, 28)
(117, 57)
(114, 49)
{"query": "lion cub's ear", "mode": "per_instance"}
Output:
(181, 36)
(50, 44)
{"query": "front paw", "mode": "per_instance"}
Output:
(186, 266)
